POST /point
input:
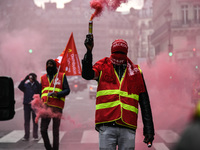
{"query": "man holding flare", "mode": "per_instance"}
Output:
(121, 87)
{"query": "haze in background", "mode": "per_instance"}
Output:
(168, 82)
(16, 61)
(137, 4)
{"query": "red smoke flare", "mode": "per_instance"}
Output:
(41, 110)
(99, 5)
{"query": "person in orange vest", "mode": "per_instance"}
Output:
(54, 99)
(121, 87)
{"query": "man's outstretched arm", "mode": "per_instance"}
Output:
(87, 71)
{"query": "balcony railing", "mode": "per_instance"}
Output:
(182, 24)
(174, 25)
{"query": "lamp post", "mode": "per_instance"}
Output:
(168, 17)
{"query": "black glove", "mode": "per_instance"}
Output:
(149, 139)
(89, 42)
(26, 78)
(54, 94)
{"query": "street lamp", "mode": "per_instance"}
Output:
(168, 17)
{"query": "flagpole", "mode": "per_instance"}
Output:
(56, 78)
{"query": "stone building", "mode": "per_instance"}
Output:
(176, 25)
(146, 51)
(48, 30)
(74, 17)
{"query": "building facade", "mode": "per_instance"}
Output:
(176, 25)
(146, 51)
(75, 18)
(52, 27)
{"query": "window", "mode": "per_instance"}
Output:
(184, 11)
(197, 13)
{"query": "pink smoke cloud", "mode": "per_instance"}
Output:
(169, 84)
(42, 111)
(99, 6)
(15, 56)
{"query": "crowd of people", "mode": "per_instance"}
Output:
(121, 90)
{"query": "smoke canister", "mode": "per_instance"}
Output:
(149, 144)
(90, 26)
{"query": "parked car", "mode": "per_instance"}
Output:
(92, 89)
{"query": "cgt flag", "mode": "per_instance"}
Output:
(69, 60)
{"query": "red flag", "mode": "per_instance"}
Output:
(69, 60)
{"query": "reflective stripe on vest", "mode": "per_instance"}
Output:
(115, 103)
(51, 89)
(121, 93)
(46, 94)
(118, 102)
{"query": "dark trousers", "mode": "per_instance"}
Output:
(27, 118)
(44, 132)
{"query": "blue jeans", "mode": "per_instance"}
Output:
(110, 137)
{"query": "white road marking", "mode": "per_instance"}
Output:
(90, 136)
(18, 109)
(160, 146)
(16, 135)
(61, 134)
(168, 136)
(12, 137)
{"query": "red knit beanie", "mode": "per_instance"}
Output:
(119, 45)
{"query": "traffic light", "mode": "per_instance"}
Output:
(170, 54)
(170, 50)
(194, 52)
(30, 51)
